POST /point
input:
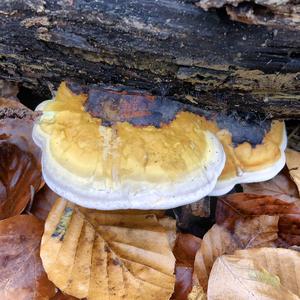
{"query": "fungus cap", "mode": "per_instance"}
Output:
(125, 150)
(247, 163)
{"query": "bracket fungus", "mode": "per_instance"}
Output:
(111, 148)
(119, 150)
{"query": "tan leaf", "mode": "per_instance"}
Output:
(107, 255)
(216, 242)
(237, 277)
(293, 164)
(197, 293)
(247, 233)
(283, 263)
(280, 187)
(22, 275)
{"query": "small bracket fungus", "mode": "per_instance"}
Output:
(259, 156)
(116, 149)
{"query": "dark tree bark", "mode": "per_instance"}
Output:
(167, 47)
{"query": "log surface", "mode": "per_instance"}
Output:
(168, 47)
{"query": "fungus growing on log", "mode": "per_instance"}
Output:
(113, 148)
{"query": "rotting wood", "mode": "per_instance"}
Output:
(168, 47)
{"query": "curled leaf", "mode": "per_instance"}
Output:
(280, 187)
(107, 255)
(20, 169)
(293, 164)
(22, 275)
(241, 205)
(185, 250)
(42, 203)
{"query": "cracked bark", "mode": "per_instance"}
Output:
(168, 47)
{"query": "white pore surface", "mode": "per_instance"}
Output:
(130, 194)
(224, 186)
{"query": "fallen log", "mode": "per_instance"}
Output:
(168, 47)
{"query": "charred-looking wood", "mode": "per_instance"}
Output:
(170, 48)
(140, 108)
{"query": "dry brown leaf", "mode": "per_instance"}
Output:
(247, 233)
(22, 275)
(280, 187)
(107, 255)
(293, 164)
(20, 169)
(42, 202)
(242, 205)
(254, 274)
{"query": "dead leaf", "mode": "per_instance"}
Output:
(249, 232)
(20, 169)
(244, 277)
(280, 187)
(283, 263)
(61, 296)
(185, 250)
(242, 205)
(293, 164)
(184, 283)
(197, 293)
(106, 255)
(42, 203)
(22, 275)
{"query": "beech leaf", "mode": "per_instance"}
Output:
(107, 254)
(255, 232)
(42, 202)
(293, 164)
(20, 169)
(242, 205)
(22, 275)
(264, 273)
(185, 250)
(280, 187)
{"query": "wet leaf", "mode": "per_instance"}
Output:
(42, 203)
(280, 187)
(184, 283)
(256, 274)
(20, 169)
(241, 205)
(22, 275)
(107, 255)
(185, 250)
(247, 233)
(293, 164)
